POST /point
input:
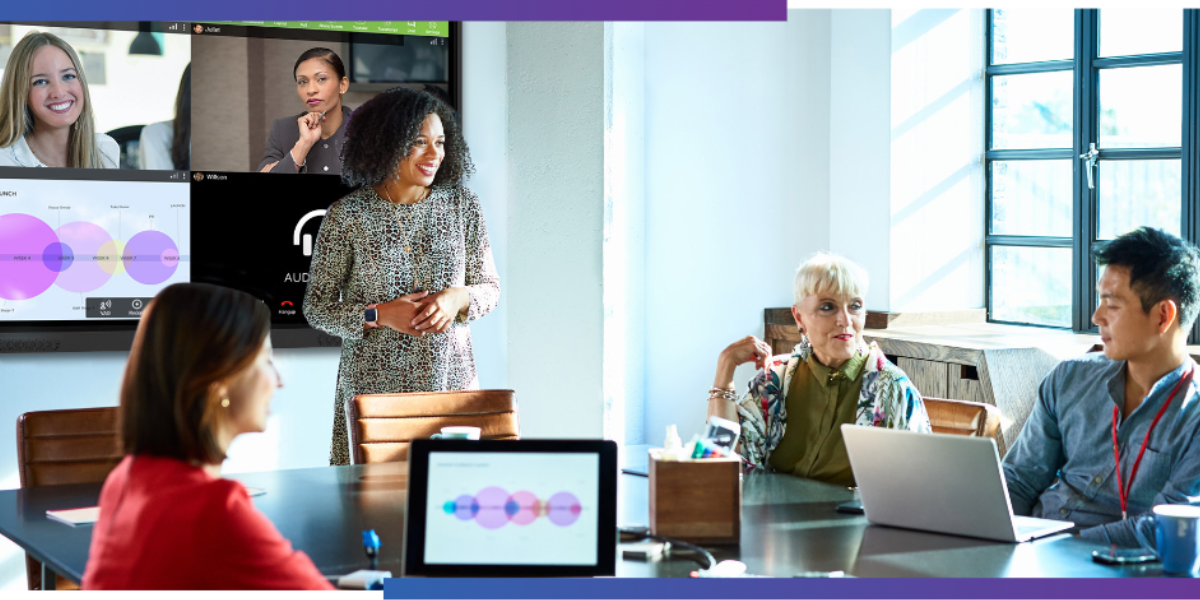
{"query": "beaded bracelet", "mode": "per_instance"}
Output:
(723, 393)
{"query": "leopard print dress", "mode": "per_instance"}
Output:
(371, 251)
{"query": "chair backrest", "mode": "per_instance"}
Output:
(67, 446)
(129, 140)
(960, 417)
(381, 426)
(56, 447)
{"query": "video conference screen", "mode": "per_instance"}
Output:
(137, 155)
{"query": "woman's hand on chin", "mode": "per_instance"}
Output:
(309, 125)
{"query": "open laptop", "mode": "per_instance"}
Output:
(511, 508)
(935, 482)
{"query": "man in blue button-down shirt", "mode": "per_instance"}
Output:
(1062, 465)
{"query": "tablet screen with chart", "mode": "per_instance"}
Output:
(496, 508)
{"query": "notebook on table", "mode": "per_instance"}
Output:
(75, 516)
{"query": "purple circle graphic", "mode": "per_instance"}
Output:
(58, 257)
(465, 507)
(84, 239)
(525, 508)
(563, 509)
(146, 257)
(23, 238)
(491, 508)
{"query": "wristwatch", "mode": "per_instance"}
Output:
(371, 315)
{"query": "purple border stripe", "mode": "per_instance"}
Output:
(383, 10)
(770, 588)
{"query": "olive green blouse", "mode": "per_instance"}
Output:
(819, 401)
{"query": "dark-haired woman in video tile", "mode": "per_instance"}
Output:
(403, 263)
(311, 142)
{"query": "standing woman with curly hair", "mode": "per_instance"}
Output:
(403, 263)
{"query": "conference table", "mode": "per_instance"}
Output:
(789, 527)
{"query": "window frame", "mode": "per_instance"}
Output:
(1086, 67)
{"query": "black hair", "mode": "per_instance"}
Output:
(443, 95)
(324, 54)
(1161, 267)
(181, 143)
(384, 129)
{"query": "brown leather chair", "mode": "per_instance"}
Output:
(381, 426)
(56, 447)
(960, 417)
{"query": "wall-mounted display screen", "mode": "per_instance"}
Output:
(137, 155)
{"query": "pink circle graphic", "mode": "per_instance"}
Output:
(85, 273)
(146, 257)
(491, 513)
(23, 242)
(563, 509)
(527, 505)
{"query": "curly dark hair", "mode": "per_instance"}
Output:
(384, 129)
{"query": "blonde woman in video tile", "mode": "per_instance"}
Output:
(46, 112)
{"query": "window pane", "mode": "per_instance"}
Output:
(1032, 111)
(1028, 35)
(1141, 107)
(1125, 32)
(1133, 193)
(1031, 197)
(1031, 285)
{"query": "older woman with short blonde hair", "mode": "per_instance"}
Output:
(792, 414)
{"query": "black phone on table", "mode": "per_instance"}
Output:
(1124, 556)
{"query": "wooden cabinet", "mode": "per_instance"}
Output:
(1001, 365)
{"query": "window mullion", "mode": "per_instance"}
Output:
(1190, 211)
(1085, 122)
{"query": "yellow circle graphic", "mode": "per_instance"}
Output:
(109, 257)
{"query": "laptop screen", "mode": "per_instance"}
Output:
(494, 508)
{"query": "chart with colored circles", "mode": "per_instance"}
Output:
(512, 508)
(493, 508)
(67, 244)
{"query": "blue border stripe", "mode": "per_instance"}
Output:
(770, 588)
(384, 10)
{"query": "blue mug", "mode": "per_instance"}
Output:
(1177, 530)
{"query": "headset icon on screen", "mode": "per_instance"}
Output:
(307, 239)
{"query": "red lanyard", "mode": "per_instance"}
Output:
(1123, 492)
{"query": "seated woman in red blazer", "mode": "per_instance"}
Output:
(199, 375)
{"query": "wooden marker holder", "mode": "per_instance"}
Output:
(696, 500)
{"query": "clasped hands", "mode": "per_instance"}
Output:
(422, 312)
